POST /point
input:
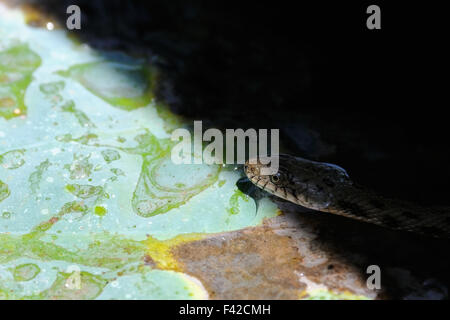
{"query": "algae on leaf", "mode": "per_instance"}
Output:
(73, 286)
(125, 86)
(52, 88)
(82, 118)
(12, 159)
(17, 65)
(4, 191)
(35, 178)
(26, 272)
(87, 184)
(234, 201)
(158, 189)
(84, 191)
(110, 155)
(80, 168)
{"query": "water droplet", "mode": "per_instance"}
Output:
(6, 215)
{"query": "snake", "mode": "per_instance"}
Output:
(326, 187)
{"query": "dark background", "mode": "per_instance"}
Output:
(371, 101)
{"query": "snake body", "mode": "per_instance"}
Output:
(328, 188)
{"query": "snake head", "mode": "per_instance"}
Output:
(307, 183)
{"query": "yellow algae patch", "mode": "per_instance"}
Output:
(161, 251)
(322, 294)
(100, 211)
(196, 289)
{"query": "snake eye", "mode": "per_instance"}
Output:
(275, 178)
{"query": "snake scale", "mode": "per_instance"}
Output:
(328, 188)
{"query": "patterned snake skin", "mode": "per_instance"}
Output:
(328, 188)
